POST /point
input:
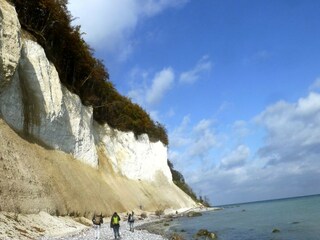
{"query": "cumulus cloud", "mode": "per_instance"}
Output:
(191, 76)
(191, 144)
(286, 164)
(236, 158)
(148, 91)
(292, 130)
(179, 136)
(240, 128)
(204, 139)
(250, 183)
(106, 23)
(161, 83)
(109, 25)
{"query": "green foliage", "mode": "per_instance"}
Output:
(204, 201)
(178, 179)
(49, 22)
(159, 212)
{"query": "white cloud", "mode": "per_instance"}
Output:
(240, 129)
(286, 164)
(153, 7)
(191, 76)
(148, 92)
(203, 125)
(204, 139)
(161, 83)
(106, 23)
(309, 105)
(109, 25)
(192, 144)
(236, 158)
(293, 129)
(179, 136)
(315, 85)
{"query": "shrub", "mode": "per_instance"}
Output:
(159, 212)
(49, 22)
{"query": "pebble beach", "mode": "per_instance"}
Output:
(107, 233)
(43, 226)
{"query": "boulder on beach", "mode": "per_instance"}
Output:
(176, 237)
(206, 233)
(194, 214)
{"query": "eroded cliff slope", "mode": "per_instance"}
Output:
(58, 158)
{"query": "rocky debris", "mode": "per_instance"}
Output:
(275, 230)
(193, 214)
(207, 234)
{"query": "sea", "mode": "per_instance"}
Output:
(283, 219)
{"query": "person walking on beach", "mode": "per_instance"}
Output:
(115, 224)
(131, 221)
(97, 220)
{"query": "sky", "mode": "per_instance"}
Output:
(235, 83)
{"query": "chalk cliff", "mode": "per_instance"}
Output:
(41, 110)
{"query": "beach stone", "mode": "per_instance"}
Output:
(212, 235)
(202, 232)
(194, 214)
(176, 237)
(206, 233)
(107, 233)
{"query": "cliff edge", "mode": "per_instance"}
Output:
(55, 157)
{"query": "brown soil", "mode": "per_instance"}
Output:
(35, 179)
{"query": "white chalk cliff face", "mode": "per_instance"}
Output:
(33, 102)
(10, 44)
(36, 104)
(134, 158)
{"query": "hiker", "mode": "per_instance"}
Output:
(97, 221)
(131, 221)
(115, 224)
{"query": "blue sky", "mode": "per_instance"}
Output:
(236, 83)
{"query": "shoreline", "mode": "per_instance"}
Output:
(44, 226)
(162, 225)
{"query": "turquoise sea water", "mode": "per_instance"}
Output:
(296, 218)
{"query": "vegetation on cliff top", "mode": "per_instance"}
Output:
(49, 21)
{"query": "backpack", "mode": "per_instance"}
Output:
(97, 219)
(115, 220)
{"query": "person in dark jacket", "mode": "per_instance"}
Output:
(115, 224)
(131, 221)
(97, 220)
